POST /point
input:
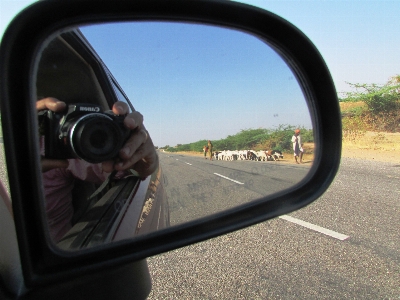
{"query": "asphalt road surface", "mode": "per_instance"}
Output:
(197, 187)
(345, 245)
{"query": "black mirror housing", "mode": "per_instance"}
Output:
(42, 263)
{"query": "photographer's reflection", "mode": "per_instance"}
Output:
(138, 153)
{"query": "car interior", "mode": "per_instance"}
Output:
(64, 74)
(69, 71)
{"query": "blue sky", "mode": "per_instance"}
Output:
(359, 41)
(195, 82)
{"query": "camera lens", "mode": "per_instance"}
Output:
(96, 138)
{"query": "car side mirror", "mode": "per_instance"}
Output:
(43, 262)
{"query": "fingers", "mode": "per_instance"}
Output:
(120, 108)
(134, 143)
(134, 121)
(55, 105)
(146, 134)
(144, 160)
(136, 147)
(138, 153)
(147, 166)
(50, 103)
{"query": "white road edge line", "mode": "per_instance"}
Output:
(317, 228)
(238, 182)
(188, 163)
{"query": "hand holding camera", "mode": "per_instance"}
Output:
(117, 139)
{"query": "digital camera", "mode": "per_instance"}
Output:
(84, 132)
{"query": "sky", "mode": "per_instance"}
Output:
(194, 83)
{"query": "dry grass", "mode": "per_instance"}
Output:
(379, 146)
(384, 141)
(346, 106)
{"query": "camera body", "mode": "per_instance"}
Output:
(83, 131)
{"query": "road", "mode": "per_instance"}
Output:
(348, 249)
(197, 187)
(279, 259)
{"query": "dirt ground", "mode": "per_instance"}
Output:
(378, 146)
(371, 154)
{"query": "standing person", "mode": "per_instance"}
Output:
(210, 146)
(205, 151)
(297, 146)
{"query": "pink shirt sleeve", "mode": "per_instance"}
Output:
(58, 185)
(86, 171)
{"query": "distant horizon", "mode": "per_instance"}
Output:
(241, 130)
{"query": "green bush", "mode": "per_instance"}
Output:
(261, 138)
(378, 98)
(382, 112)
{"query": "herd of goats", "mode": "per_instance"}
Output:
(261, 155)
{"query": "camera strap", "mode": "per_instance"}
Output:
(103, 185)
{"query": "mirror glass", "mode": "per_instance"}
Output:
(220, 105)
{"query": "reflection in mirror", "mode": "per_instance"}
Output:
(226, 115)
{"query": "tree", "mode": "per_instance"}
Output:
(378, 98)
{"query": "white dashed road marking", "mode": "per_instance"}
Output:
(238, 182)
(317, 228)
(311, 226)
